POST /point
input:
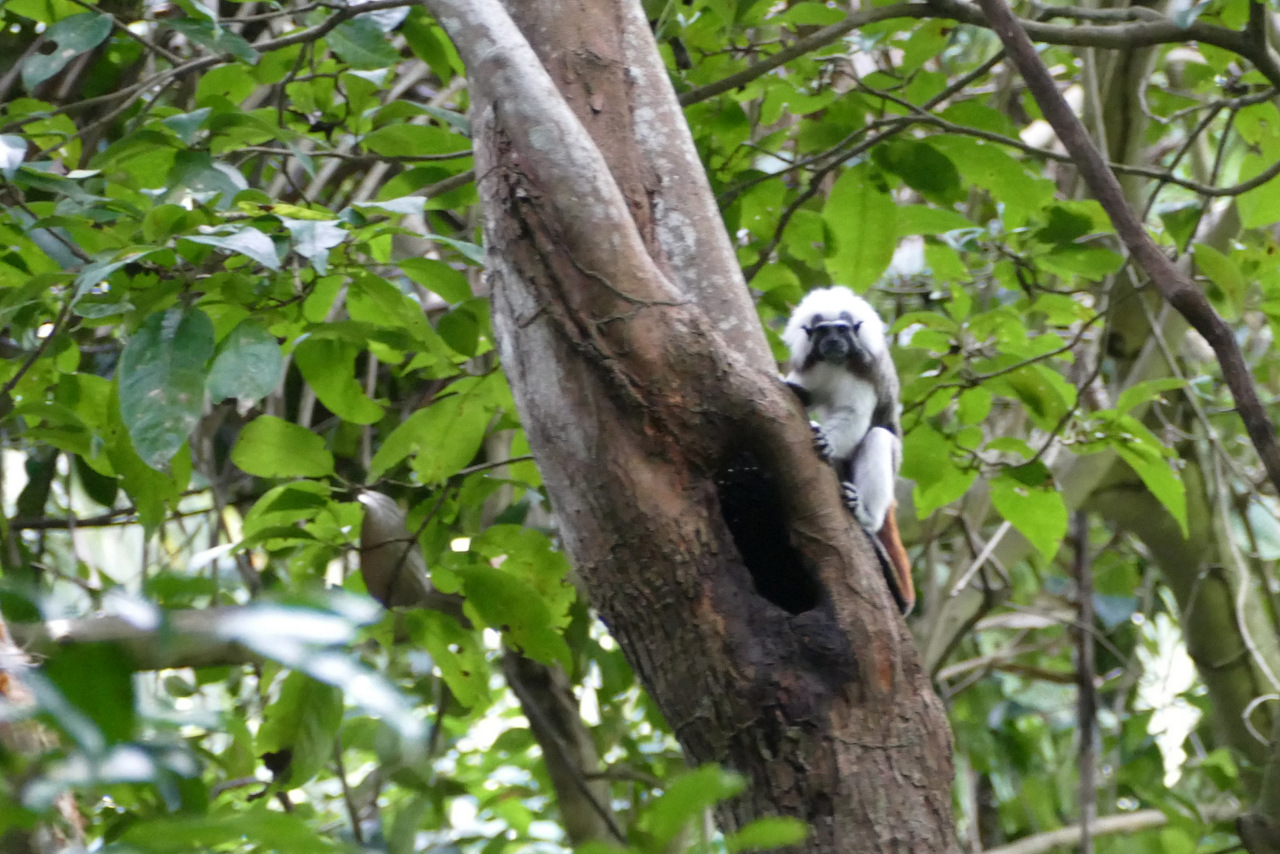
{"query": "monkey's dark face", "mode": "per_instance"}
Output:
(835, 340)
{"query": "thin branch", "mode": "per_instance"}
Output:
(205, 62)
(1086, 686)
(1133, 822)
(1123, 32)
(1174, 286)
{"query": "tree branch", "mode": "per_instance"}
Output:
(1176, 288)
(1125, 30)
(1132, 822)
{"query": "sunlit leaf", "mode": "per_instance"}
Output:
(272, 447)
(313, 240)
(329, 368)
(863, 218)
(243, 240)
(764, 834)
(1037, 511)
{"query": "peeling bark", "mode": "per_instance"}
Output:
(642, 379)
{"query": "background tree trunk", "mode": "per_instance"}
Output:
(643, 382)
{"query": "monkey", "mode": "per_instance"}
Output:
(841, 369)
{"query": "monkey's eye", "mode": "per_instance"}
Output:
(856, 327)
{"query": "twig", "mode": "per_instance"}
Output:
(1174, 286)
(1086, 688)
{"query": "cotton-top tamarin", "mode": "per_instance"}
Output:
(840, 367)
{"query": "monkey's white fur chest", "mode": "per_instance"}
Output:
(843, 403)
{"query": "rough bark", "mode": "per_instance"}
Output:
(640, 389)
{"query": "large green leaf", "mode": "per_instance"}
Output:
(303, 720)
(243, 240)
(362, 44)
(258, 827)
(922, 167)
(249, 364)
(161, 381)
(443, 438)
(329, 368)
(272, 447)
(1033, 506)
(406, 139)
(97, 679)
(72, 37)
(863, 218)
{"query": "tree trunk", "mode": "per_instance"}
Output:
(708, 534)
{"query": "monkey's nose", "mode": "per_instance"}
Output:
(833, 347)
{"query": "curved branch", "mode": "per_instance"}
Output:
(1136, 28)
(1176, 288)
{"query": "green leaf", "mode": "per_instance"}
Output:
(404, 826)
(149, 489)
(313, 240)
(686, 799)
(1144, 454)
(1146, 391)
(1223, 272)
(1037, 512)
(1064, 225)
(455, 651)
(97, 678)
(767, 833)
(925, 219)
(217, 39)
(96, 272)
(187, 125)
(244, 240)
(405, 140)
(272, 447)
(445, 437)
(72, 36)
(926, 459)
(1045, 393)
(863, 218)
(249, 364)
(361, 43)
(256, 827)
(1088, 262)
(922, 167)
(1260, 206)
(504, 601)
(328, 366)
(303, 720)
(161, 381)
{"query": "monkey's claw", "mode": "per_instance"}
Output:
(853, 503)
(820, 443)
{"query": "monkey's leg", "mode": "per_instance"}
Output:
(869, 490)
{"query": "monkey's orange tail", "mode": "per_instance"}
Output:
(902, 586)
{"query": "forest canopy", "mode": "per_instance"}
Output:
(251, 391)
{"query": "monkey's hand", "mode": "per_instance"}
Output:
(820, 442)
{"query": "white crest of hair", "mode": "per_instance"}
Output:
(843, 402)
(829, 303)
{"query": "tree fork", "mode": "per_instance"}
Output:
(641, 373)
